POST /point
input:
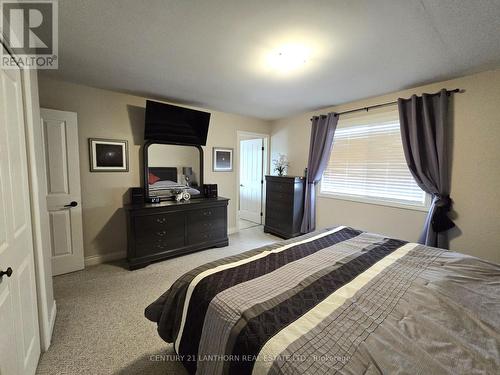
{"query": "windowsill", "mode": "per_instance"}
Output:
(376, 202)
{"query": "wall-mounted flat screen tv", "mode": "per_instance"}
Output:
(170, 123)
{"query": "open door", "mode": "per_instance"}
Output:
(19, 331)
(60, 140)
(251, 179)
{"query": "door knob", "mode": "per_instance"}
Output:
(72, 204)
(8, 272)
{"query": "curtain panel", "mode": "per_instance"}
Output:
(322, 132)
(424, 132)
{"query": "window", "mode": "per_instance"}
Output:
(367, 163)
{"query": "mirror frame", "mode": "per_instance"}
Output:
(146, 167)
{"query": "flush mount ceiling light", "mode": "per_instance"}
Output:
(289, 55)
(288, 58)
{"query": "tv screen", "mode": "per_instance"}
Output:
(169, 123)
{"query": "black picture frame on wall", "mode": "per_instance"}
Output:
(108, 155)
(222, 159)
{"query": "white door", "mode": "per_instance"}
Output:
(251, 152)
(60, 139)
(19, 333)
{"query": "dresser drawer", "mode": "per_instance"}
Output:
(159, 227)
(280, 187)
(159, 245)
(206, 215)
(206, 226)
(283, 225)
(206, 220)
(283, 215)
(279, 207)
(276, 196)
(201, 237)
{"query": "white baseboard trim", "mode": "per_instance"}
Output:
(92, 260)
(46, 336)
(52, 321)
(232, 230)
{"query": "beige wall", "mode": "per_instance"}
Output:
(475, 170)
(108, 114)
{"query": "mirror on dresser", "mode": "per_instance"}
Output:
(171, 168)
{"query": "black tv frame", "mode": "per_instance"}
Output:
(171, 107)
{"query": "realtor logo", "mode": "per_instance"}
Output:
(30, 30)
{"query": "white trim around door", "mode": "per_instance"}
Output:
(39, 213)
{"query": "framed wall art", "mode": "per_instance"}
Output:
(222, 159)
(108, 155)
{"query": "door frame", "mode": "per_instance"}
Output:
(37, 189)
(242, 135)
(37, 181)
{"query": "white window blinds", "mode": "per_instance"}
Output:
(368, 162)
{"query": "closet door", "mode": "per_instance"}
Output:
(19, 333)
(62, 162)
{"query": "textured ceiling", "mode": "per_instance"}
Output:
(211, 53)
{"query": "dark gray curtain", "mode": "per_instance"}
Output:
(320, 147)
(424, 131)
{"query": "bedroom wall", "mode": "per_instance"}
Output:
(108, 114)
(475, 168)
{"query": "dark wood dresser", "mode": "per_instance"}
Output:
(170, 228)
(284, 205)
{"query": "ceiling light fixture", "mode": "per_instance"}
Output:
(288, 58)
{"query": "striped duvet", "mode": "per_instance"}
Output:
(336, 301)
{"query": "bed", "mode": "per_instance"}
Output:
(335, 301)
(164, 180)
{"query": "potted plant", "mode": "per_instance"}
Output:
(281, 165)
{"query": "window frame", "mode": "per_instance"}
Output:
(379, 201)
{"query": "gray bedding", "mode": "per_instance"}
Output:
(164, 188)
(336, 301)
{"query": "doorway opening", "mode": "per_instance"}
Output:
(252, 167)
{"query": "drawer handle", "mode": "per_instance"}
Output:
(160, 246)
(161, 233)
(207, 213)
(208, 224)
(161, 220)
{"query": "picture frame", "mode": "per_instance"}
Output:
(108, 155)
(222, 159)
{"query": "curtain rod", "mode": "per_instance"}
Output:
(385, 104)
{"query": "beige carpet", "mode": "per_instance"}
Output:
(100, 326)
